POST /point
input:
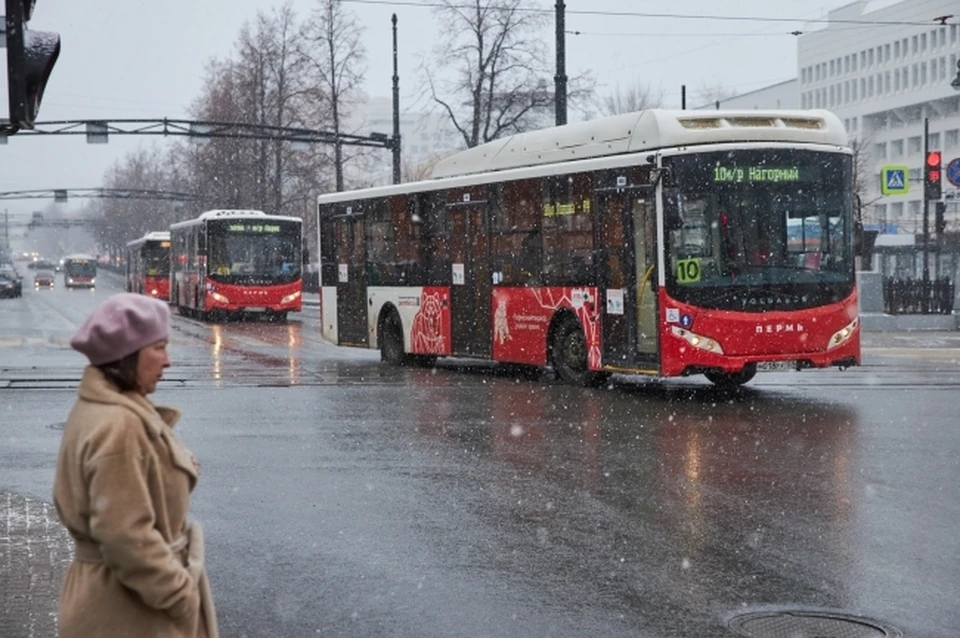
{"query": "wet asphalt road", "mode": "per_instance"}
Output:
(344, 498)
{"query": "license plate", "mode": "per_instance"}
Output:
(776, 366)
(256, 309)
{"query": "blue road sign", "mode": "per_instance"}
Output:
(894, 180)
(953, 172)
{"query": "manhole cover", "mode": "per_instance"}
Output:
(809, 623)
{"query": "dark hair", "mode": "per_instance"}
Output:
(123, 372)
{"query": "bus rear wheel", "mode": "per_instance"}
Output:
(391, 342)
(732, 379)
(569, 356)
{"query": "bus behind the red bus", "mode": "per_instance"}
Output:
(234, 262)
(80, 271)
(148, 265)
(661, 243)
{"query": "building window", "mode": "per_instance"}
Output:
(913, 145)
(913, 44)
(953, 33)
(933, 141)
(846, 92)
(880, 150)
(846, 64)
(923, 74)
(915, 75)
(896, 210)
(923, 42)
(915, 208)
(870, 57)
(896, 80)
(831, 68)
(896, 49)
(943, 68)
(950, 138)
(886, 53)
(896, 149)
(943, 36)
(914, 174)
(863, 59)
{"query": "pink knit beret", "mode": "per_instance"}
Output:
(120, 326)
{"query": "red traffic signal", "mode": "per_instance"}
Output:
(931, 175)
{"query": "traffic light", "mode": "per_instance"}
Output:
(940, 220)
(30, 59)
(931, 176)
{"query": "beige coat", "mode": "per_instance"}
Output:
(122, 490)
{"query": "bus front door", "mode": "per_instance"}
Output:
(626, 237)
(470, 294)
(351, 282)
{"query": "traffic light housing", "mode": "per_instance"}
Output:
(940, 219)
(932, 173)
(30, 59)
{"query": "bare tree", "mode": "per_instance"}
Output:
(489, 73)
(711, 94)
(636, 97)
(336, 58)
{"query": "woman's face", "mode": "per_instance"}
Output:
(150, 364)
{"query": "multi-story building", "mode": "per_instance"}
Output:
(425, 138)
(885, 72)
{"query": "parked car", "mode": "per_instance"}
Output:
(44, 278)
(8, 271)
(9, 288)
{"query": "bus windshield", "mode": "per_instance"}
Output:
(80, 268)
(254, 251)
(759, 229)
(156, 259)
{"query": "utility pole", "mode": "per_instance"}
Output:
(396, 108)
(926, 222)
(560, 79)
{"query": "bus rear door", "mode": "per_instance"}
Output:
(351, 280)
(470, 294)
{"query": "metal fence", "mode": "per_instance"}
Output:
(918, 297)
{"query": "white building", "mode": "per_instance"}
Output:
(883, 69)
(424, 138)
(783, 95)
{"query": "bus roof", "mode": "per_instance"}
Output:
(643, 131)
(603, 142)
(233, 214)
(159, 235)
(79, 256)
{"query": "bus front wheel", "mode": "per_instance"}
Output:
(732, 379)
(569, 356)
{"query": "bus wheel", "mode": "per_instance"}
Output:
(732, 379)
(391, 341)
(569, 356)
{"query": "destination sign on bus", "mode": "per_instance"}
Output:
(254, 228)
(739, 174)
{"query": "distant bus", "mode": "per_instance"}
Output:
(236, 262)
(148, 265)
(79, 271)
(660, 243)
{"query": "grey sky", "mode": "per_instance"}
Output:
(144, 59)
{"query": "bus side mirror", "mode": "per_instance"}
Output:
(306, 256)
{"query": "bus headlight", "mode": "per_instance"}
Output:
(697, 341)
(291, 297)
(218, 297)
(843, 335)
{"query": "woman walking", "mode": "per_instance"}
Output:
(122, 488)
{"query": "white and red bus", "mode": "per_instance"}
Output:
(662, 243)
(80, 271)
(236, 262)
(148, 265)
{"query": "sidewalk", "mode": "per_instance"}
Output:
(35, 551)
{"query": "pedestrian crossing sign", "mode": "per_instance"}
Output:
(895, 180)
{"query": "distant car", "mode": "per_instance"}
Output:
(41, 264)
(9, 288)
(44, 278)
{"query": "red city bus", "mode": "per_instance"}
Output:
(662, 243)
(148, 265)
(236, 262)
